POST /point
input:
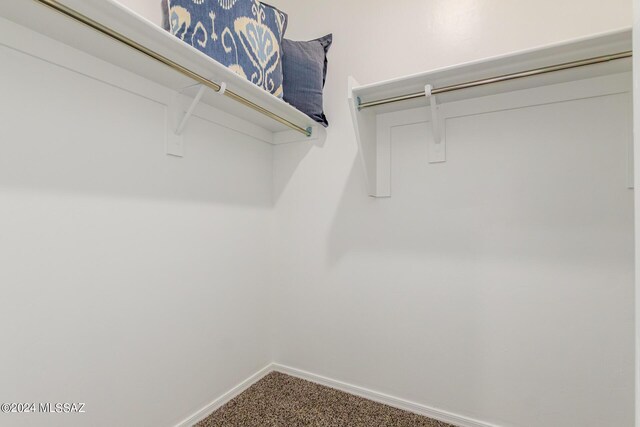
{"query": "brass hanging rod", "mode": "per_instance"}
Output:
(77, 16)
(502, 78)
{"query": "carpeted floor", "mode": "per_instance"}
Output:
(279, 400)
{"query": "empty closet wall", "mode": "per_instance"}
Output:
(131, 281)
(636, 116)
(498, 285)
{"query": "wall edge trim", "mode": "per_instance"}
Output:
(218, 402)
(376, 396)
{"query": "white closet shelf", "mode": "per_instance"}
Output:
(111, 14)
(369, 122)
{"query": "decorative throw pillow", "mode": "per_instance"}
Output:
(305, 71)
(244, 35)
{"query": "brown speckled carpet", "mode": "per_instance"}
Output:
(279, 400)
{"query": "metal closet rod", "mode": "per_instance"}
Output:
(71, 13)
(503, 78)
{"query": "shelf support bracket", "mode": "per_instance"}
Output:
(175, 141)
(437, 146)
(189, 112)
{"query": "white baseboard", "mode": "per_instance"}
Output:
(386, 399)
(396, 402)
(225, 398)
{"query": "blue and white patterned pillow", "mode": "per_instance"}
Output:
(244, 35)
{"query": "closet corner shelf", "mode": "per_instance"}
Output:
(278, 122)
(376, 108)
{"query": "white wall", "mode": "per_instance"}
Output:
(498, 285)
(636, 115)
(150, 9)
(131, 281)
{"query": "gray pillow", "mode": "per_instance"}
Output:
(304, 66)
(164, 5)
